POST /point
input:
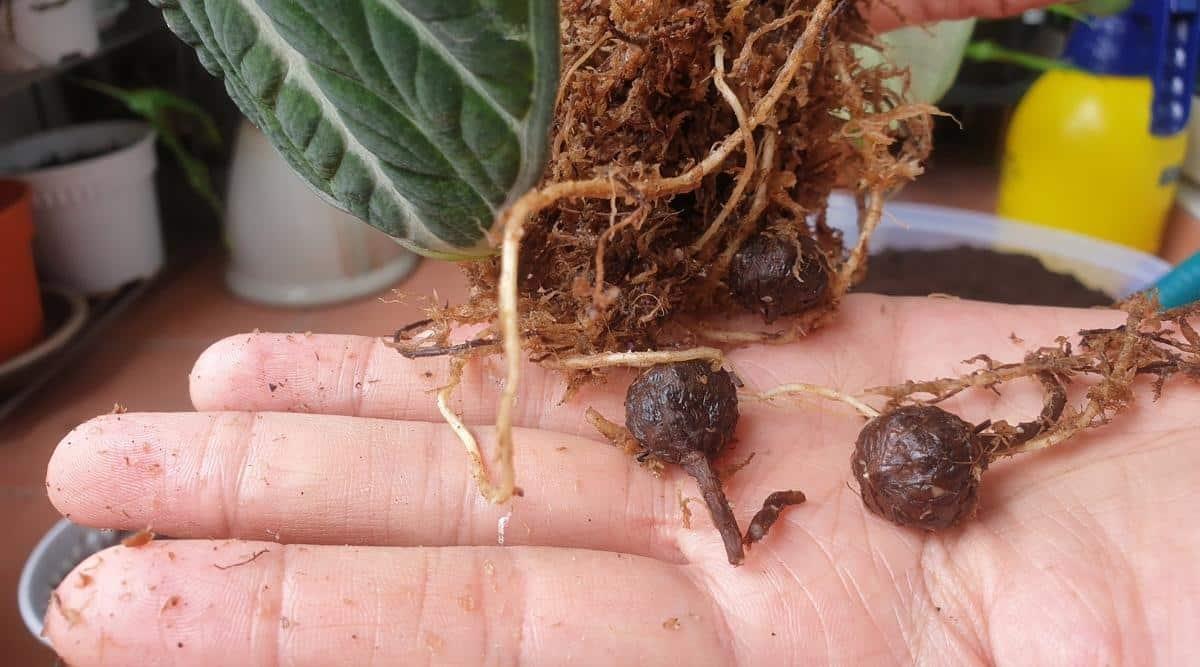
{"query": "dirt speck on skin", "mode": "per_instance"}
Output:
(1015, 338)
(85, 580)
(171, 555)
(685, 512)
(171, 603)
(434, 643)
(139, 539)
(272, 386)
(72, 616)
(672, 624)
(245, 561)
(285, 622)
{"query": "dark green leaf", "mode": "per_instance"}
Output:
(422, 117)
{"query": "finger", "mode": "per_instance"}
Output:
(255, 603)
(873, 341)
(346, 480)
(887, 16)
(354, 375)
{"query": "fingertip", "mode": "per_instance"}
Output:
(75, 616)
(73, 453)
(221, 366)
(168, 602)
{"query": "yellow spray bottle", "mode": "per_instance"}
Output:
(1095, 147)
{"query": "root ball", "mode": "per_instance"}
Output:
(919, 466)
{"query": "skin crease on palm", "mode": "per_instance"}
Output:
(302, 445)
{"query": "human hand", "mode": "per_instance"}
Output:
(1081, 554)
(918, 12)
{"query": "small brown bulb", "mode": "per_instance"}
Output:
(778, 275)
(684, 413)
(919, 466)
(680, 408)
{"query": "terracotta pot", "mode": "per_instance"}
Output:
(20, 299)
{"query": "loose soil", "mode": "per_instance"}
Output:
(971, 273)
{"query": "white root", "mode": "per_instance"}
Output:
(747, 173)
(757, 205)
(636, 359)
(795, 59)
(731, 337)
(474, 456)
(868, 221)
(795, 388)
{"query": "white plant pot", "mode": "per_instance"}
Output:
(1114, 269)
(96, 219)
(290, 248)
(37, 33)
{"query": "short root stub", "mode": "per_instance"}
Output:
(919, 466)
(718, 507)
(766, 517)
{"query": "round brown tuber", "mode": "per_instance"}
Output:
(919, 466)
(777, 275)
(684, 413)
(682, 410)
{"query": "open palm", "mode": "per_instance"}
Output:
(1080, 555)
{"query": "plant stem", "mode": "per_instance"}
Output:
(987, 51)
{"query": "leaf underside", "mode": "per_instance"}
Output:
(421, 117)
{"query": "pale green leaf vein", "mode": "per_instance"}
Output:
(465, 73)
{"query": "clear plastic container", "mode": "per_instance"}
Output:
(1114, 269)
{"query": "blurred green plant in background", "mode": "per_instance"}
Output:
(164, 111)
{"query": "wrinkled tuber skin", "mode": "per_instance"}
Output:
(778, 276)
(683, 409)
(685, 413)
(919, 466)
